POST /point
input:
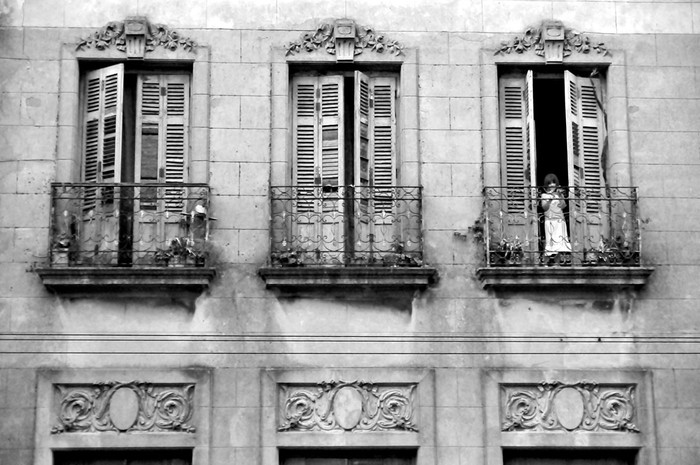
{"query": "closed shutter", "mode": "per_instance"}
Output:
(318, 149)
(102, 129)
(383, 142)
(585, 139)
(162, 137)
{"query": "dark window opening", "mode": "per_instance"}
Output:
(569, 457)
(348, 457)
(123, 457)
(550, 129)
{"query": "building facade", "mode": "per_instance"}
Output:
(305, 233)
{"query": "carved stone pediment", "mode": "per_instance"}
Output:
(347, 406)
(133, 406)
(553, 41)
(135, 37)
(344, 39)
(558, 406)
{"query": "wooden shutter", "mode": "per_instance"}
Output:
(102, 128)
(585, 134)
(318, 136)
(383, 141)
(515, 140)
(162, 136)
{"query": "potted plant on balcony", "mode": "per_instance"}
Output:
(182, 252)
(61, 250)
(508, 252)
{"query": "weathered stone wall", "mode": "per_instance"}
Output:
(455, 327)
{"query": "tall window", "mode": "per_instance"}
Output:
(134, 149)
(344, 161)
(554, 122)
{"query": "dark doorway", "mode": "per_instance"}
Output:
(123, 457)
(569, 457)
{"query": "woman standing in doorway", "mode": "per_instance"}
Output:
(556, 235)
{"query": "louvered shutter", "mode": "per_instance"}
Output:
(383, 142)
(102, 129)
(318, 149)
(585, 136)
(162, 137)
(513, 96)
(305, 141)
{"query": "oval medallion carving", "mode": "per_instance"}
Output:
(124, 408)
(347, 407)
(569, 406)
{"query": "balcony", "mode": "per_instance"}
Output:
(128, 235)
(603, 235)
(338, 236)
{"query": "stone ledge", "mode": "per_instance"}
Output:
(305, 278)
(67, 279)
(530, 276)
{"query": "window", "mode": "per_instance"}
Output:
(134, 206)
(135, 129)
(554, 123)
(344, 149)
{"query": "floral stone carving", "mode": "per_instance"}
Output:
(583, 406)
(118, 34)
(534, 38)
(325, 37)
(124, 407)
(348, 406)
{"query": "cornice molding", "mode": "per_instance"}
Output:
(540, 40)
(139, 32)
(327, 36)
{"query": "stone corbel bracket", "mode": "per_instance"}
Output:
(347, 406)
(553, 41)
(135, 37)
(344, 39)
(557, 406)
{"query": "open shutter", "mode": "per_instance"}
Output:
(513, 98)
(161, 136)
(305, 140)
(585, 136)
(102, 129)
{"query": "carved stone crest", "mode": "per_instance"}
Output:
(553, 41)
(332, 38)
(124, 407)
(347, 406)
(583, 406)
(135, 36)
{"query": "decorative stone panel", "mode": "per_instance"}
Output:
(347, 406)
(123, 407)
(553, 41)
(135, 37)
(558, 406)
(344, 39)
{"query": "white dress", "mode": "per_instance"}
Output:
(555, 232)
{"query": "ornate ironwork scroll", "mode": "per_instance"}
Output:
(116, 34)
(349, 406)
(533, 39)
(325, 37)
(583, 406)
(125, 407)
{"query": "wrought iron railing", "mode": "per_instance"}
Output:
(601, 227)
(346, 226)
(123, 224)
